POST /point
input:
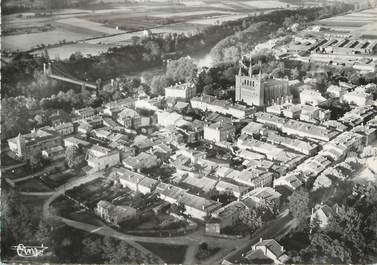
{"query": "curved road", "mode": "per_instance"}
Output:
(273, 229)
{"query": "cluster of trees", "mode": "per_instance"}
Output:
(181, 70)
(74, 156)
(350, 235)
(20, 223)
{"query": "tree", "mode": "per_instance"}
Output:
(324, 249)
(159, 83)
(251, 219)
(295, 73)
(73, 157)
(181, 70)
(298, 205)
(36, 161)
(43, 233)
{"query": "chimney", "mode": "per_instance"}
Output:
(260, 240)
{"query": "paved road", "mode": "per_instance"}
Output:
(278, 227)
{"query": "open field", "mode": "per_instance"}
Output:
(220, 19)
(89, 25)
(359, 24)
(98, 26)
(32, 185)
(129, 23)
(189, 14)
(28, 41)
(266, 4)
(65, 51)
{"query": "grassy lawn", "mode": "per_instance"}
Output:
(32, 185)
(16, 173)
(169, 253)
(59, 178)
(86, 217)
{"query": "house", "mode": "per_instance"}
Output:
(219, 132)
(162, 151)
(84, 112)
(229, 214)
(23, 146)
(180, 106)
(64, 128)
(135, 181)
(252, 129)
(59, 117)
(203, 183)
(192, 132)
(99, 157)
(195, 206)
(129, 119)
(264, 196)
(321, 214)
(369, 133)
(184, 91)
(149, 104)
(142, 143)
(340, 146)
(268, 249)
(224, 187)
(166, 118)
(84, 127)
(111, 124)
(54, 153)
(73, 141)
(141, 161)
(336, 91)
(359, 98)
(114, 214)
(291, 181)
(313, 166)
(311, 97)
(114, 107)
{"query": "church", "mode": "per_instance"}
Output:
(260, 91)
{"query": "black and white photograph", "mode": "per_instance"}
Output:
(192, 132)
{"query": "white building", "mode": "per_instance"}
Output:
(336, 91)
(359, 98)
(269, 248)
(195, 206)
(136, 181)
(184, 91)
(291, 181)
(311, 97)
(219, 132)
(99, 157)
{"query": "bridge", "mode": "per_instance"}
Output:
(63, 76)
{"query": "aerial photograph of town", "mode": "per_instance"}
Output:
(188, 132)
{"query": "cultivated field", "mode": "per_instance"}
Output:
(89, 25)
(24, 42)
(266, 4)
(118, 23)
(65, 51)
(358, 23)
